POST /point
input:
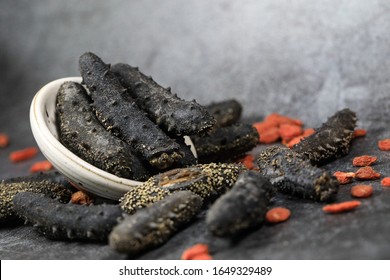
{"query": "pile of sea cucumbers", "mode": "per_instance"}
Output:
(125, 123)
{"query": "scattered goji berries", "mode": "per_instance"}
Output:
(277, 215)
(247, 161)
(367, 173)
(199, 251)
(289, 131)
(385, 182)
(41, 166)
(362, 191)
(23, 154)
(81, 197)
(359, 133)
(4, 140)
(344, 177)
(341, 207)
(363, 160)
(384, 144)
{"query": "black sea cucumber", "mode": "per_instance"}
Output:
(40, 183)
(330, 141)
(153, 226)
(81, 132)
(166, 109)
(293, 174)
(225, 143)
(226, 112)
(119, 114)
(243, 207)
(67, 221)
(207, 181)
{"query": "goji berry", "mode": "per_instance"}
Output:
(344, 177)
(247, 161)
(81, 197)
(308, 131)
(359, 133)
(197, 249)
(41, 166)
(270, 136)
(202, 257)
(289, 131)
(384, 144)
(367, 173)
(385, 182)
(294, 141)
(4, 140)
(262, 127)
(278, 119)
(341, 207)
(363, 160)
(24, 154)
(277, 215)
(362, 191)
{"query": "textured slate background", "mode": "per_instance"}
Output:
(305, 59)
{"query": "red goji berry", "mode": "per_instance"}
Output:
(362, 191)
(197, 249)
(341, 207)
(367, 173)
(384, 144)
(289, 131)
(385, 182)
(247, 161)
(24, 154)
(277, 215)
(344, 177)
(81, 197)
(41, 166)
(363, 160)
(4, 140)
(270, 136)
(359, 133)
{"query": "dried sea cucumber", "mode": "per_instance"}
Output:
(48, 184)
(243, 207)
(293, 174)
(153, 226)
(119, 114)
(81, 132)
(60, 221)
(206, 180)
(225, 143)
(166, 109)
(226, 112)
(330, 141)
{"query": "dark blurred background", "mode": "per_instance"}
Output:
(305, 59)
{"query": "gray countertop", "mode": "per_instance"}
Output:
(303, 59)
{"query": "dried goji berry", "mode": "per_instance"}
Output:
(81, 197)
(278, 119)
(4, 140)
(24, 154)
(344, 177)
(341, 207)
(289, 131)
(277, 215)
(247, 161)
(367, 173)
(262, 127)
(384, 144)
(294, 141)
(197, 249)
(270, 136)
(307, 132)
(202, 257)
(359, 133)
(362, 191)
(41, 166)
(363, 160)
(386, 182)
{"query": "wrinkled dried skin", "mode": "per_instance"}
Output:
(67, 221)
(242, 208)
(154, 225)
(119, 114)
(173, 114)
(293, 174)
(225, 112)
(225, 143)
(207, 181)
(330, 141)
(41, 183)
(81, 132)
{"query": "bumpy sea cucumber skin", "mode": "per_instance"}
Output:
(81, 132)
(242, 208)
(69, 221)
(153, 226)
(119, 114)
(206, 180)
(40, 183)
(330, 141)
(225, 143)
(170, 112)
(293, 174)
(226, 112)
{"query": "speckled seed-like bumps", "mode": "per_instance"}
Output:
(173, 114)
(243, 207)
(330, 141)
(81, 132)
(67, 221)
(206, 180)
(154, 225)
(293, 174)
(42, 183)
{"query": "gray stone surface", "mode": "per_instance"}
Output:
(305, 59)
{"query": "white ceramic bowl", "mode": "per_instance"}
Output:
(82, 174)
